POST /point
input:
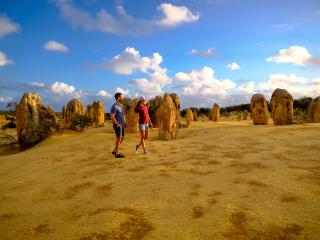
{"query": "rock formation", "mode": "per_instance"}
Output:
(210, 115)
(281, 107)
(189, 117)
(259, 109)
(314, 110)
(72, 109)
(195, 116)
(176, 101)
(89, 111)
(169, 117)
(215, 112)
(34, 121)
(96, 113)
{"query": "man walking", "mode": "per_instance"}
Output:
(117, 117)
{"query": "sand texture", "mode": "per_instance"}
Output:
(217, 180)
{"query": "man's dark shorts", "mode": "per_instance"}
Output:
(119, 131)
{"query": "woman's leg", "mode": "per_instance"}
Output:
(142, 143)
(146, 134)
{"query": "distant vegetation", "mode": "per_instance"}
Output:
(200, 111)
(300, 104)
(10, 116)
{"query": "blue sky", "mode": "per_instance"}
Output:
(205, 50)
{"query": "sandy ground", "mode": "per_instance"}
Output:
(227, 180)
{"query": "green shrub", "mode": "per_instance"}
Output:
(300, 116)
(79, 122)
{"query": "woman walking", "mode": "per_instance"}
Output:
(144, 123)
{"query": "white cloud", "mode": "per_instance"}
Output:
(4, 60)
(55, 46)
(316, 81)
(296, 55)
(124, 92)
(148, 87)
(104, 93)
(247, 88)
(5, 99)
(36, 84)
(283, 80)
(130, 61)
(210, 52)
(298, 86)
(176, 15)
(233, 66)
(203, 82)
(183, 77)
(123, 24)
(61, 88)
(7, 26)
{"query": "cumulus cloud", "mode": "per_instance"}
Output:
(125, 92)
(233, 66)
(123, 24)
(7, 26)
(176, 15)
(104, 93)
(148, 87)
(130, 61)
(298, 86)
(296, 55)
(203, 82)
(192, 95)
(283, 80)
(210, 52)
(4, 60)
(316, 81)
(55, 46)
(62, 88)
(247, 88)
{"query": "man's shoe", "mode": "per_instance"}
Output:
(137, 147)
(113, 152)
(119, 155)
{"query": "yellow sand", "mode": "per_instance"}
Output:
(226, 180)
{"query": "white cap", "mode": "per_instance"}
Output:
(141, 98)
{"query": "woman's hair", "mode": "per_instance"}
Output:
(139, 102)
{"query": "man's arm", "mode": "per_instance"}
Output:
(113, 119)
(112, 115)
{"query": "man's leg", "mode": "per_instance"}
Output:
(117, 131)
(120, 135)
(117, 145)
